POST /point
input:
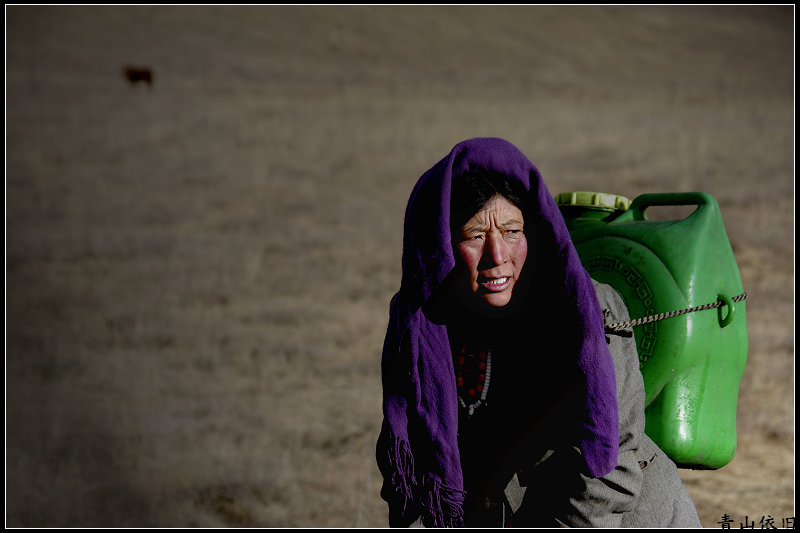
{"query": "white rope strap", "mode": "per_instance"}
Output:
(618, 328)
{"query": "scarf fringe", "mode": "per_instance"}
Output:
(440, 505)
(402, 464)
(445, 505)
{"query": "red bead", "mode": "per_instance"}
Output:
(479, 387)
(460, 381)
(483, 355)
(481, 377)
(471, 392)
(482, 365)
(460, 360)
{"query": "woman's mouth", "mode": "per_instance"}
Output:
(496, 284)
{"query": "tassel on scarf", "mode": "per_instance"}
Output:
(402, 464)
(444, 505)
(440, 505)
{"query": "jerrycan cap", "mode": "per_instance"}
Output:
(593, 200)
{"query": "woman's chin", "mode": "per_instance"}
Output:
(495, 305)
(495, 300)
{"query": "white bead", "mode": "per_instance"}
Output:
(485, 391)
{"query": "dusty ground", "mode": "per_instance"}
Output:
(198, 273)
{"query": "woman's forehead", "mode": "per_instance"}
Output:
(499, 211)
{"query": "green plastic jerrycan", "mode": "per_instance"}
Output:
(692, 363)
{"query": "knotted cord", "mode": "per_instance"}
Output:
(619, 328)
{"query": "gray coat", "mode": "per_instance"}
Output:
(644, 490)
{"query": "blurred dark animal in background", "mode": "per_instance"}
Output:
(135, 75)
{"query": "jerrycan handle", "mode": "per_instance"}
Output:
(640, 204)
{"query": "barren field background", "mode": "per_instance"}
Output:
(198, 273)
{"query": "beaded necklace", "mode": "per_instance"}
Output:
(473, 373)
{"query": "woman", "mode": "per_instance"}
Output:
(505, 403)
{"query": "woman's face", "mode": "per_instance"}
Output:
(492, 247)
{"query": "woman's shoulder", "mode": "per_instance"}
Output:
(611, 301)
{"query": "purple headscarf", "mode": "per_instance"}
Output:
(418, 447)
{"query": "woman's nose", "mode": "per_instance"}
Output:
(496, 248)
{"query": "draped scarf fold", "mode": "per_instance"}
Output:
(417, 450)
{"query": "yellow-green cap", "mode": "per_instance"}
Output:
(594, 200)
